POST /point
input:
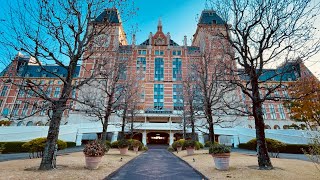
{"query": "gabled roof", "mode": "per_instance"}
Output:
(37, 71)
(209, 17)
(289, 72)
(111, 15)
(172, 43)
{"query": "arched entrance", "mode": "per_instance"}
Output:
(157, 138)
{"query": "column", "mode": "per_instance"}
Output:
(200, 137)
(79, 139)
(114, 136)
(144, 137)
(236, 140)
(171, 138)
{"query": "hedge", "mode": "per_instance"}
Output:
(12, 147)
(197, 145)
(38, 145)
(71, 144)
(288, 148)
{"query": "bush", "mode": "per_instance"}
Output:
(133, 143)
(71, 144)
(189, 143)
(12, 147)
(209, 144)
(201, 145)
(219, 149)
(38, 145)
(123, 143)
(296, 148)
(145, 148)
(94, 149)
(175, 145)
(5, 123)
(114, 144)
(108, 144)
(170, 148)
(273, 145)
(198, 145)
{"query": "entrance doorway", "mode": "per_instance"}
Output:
(158, 138)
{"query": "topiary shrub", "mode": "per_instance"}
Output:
(123, 143)
(273, 146)
(198, 145)
(133, 143)
(189, 144)
(114, 144)
(201, 145)
(38, 145)
(170, 148)
(219, 149)
(175, 145)
(209, 143)
(145, 148)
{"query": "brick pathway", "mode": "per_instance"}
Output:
(156, 164)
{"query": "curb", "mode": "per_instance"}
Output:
(203, 176)
(121, 167)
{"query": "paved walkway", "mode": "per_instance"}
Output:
(156, 164)
(15, 156)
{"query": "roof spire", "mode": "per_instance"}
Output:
(159, 25)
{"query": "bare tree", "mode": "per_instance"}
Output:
(263, 34)
(55, 32)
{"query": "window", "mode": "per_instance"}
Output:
(285, 94)
(55, 70)
(59, 82)
(158, 53)
(49, 91)
(25, 109)
(1, 101)
(272, 111)
(15, 109)
(176, 52)
(142, 52)
(73, 93)
(4, 91)
(177, 96)
(51, 82)
(21, 93)
(44, 75)
(276, 94)
(158, 69)
(141, 67)
(281, 110)
(158, 96)
(43, 111)
(123, 72)
(264, 112)
(39, 70)
(34, 109)
(5, 112)
(56, 92)
(176, 69)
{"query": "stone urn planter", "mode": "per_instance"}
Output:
(190, 151)
(221, 156)
(221, 161)
(179, 148)
(123, 146)
(124, 150)
(93, 152)
(93, 162)
(136, 149)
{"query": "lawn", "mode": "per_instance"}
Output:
(245, 167)
(69, 166)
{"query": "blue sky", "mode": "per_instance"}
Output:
(179, 17)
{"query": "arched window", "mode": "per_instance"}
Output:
(47, 123)
(39, 123)
(267, 127)
(30, 123)
(20, 123)
(286, 127)
(250, 127)
(276, 127)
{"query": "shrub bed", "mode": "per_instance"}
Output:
(273, 145)
(71, 144)
(197, 145)
(12, 147)
(38, 145)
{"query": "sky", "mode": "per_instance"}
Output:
(179, 17)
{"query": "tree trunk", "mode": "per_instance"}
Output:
(193, 134)
(52, 137)
(264, 161)
(104, 132)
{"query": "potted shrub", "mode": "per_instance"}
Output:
(178, 146)
(221, 156)
(189, 145)
(136, 144)
(123, 146)
(93, 152)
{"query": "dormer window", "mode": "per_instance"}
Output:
(28, 75)
(210, 13)
(44, 75)
(55, 70)
(214, 22)
(39, 69)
